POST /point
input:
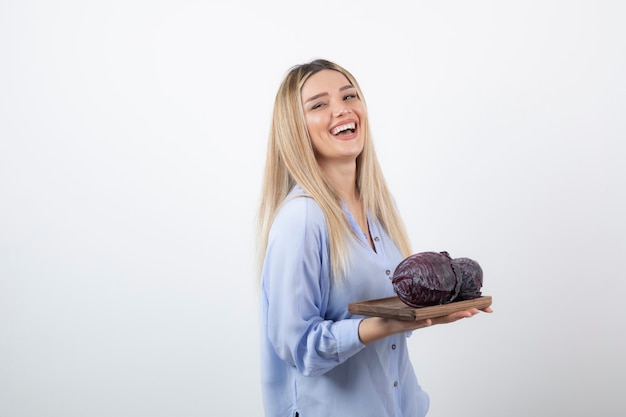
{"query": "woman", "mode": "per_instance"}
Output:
(330, 235)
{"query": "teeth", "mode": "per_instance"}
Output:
(341, 128)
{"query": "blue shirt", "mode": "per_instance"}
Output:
(312, 360)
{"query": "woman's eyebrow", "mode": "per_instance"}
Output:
(316, 96)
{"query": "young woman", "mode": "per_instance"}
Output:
(330, 235)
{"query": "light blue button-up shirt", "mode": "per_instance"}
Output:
(312, 360)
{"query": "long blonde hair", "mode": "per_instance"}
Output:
(290, 160)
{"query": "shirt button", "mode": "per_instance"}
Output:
(393, 347)
(387, 272)
(376, 239)
(395, 384)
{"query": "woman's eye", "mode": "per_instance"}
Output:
(350, 96)
(317, 106)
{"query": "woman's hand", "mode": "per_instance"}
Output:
(374, 328)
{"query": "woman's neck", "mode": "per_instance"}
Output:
(343, 179)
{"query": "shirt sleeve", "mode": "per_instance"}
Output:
(296, 284)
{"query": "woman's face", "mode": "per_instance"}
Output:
(334, 114)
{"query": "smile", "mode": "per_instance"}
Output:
(343, 128)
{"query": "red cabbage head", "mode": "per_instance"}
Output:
(434, 278)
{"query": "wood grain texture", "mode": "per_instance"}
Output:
(394, 308)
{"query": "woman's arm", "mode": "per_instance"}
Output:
(374, 328)
(296, 288)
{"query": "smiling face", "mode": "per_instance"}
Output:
(334, 113)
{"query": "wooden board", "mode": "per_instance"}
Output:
(394, 308)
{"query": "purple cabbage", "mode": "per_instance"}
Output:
(434, 278)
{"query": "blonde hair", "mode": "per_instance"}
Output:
(290, 160)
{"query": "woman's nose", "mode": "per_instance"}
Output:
(341, 110)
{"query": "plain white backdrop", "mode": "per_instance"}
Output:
(132, 141)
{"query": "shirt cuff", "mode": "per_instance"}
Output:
(349, 342)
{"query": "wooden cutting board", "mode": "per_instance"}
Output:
(394, 308)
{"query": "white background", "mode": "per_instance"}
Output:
(132, 141)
